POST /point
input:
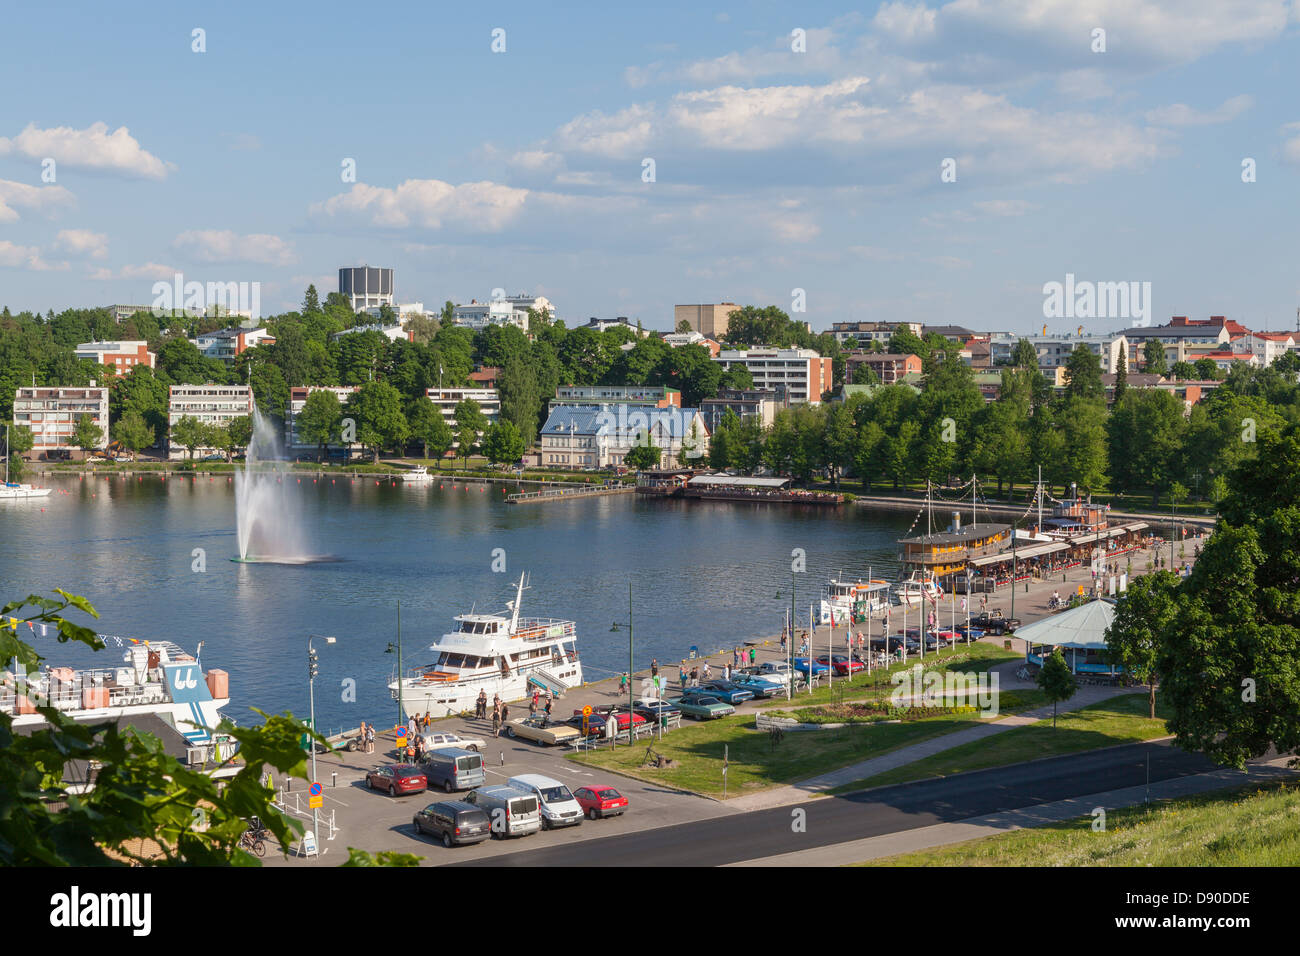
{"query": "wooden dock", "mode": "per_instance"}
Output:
(564, 494)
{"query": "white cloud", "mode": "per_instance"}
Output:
(904, 22)
(149, 270)
(43, 199)
(428, 203)
(222, 245)
(83, 242)
(91, 148)
(13, 256)
(625, 133)
(536, 160)
(1005, 207)
(1180, 114)
(1291, 148)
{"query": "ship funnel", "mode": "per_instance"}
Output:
(956, 522)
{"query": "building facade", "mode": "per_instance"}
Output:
(446, 400)
(748, 404)
(52, 415)
(209, 404)
(366, 287)
(799, 375)
(226, 344)
(658, 396)
(864, 334)
(297, 399)
(709, 320)
(889, 367)
(121, 357)
(581, 437)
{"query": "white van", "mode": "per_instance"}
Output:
(558, 807)
(512, 812)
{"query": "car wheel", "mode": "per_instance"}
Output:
(510, 732)
(419, 827)
(392, 790)
(370, 784)
(591, 814)
(546, 824)
(446, 786)
(446, 840)
(474, 747)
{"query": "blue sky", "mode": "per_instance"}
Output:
(774, 169)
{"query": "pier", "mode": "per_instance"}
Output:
(564, 494)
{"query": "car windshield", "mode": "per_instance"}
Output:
(469, 762)
(556, 794)
(609, 793)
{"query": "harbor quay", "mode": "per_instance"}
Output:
(353, 815)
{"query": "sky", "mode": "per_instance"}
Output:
(902, 161)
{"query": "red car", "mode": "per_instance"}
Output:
(596, 722)
(397, 779)
(600, 801)
(842, 665)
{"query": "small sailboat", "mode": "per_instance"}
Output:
(12, 490)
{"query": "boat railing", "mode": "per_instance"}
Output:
(55, 687)
(416, 675)
(539, 629)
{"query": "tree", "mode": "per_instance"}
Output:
(87, 435)
(1083, 374)
(1185, 370)
(133, 431)
(239, 434)
(1153, 358)
(311, 300)
(683, 326)
(521, 399)
(1208, 369)
(377, 409)
(320, 420)
(470, 424)
(1056, 681)
(1025, 355)
(1121, 373)
(502, 443)
(20, 441)
(189, 433)
(864, 374)
(1143, 613)
(428, 427)
(644, 455)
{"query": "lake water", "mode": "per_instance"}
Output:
(702, 573)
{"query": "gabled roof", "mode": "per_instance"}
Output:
(1083, 627)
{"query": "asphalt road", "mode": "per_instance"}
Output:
(748, 836)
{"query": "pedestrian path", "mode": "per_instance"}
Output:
(940, 834)
(794, 793)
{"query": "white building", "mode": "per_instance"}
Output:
(1054, 351)
(479, 315)
(209, 404)
(622, 322)
(446, 400)
(600, 436)
(863, 334)
(122, 357)
(390, 332)
(1267, 347)
(298, 398)
(225, 344)
(799, 375)
(52, 415)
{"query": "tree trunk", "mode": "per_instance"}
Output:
(1152, 685)
(1053, 715)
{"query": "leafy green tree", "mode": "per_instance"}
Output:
(86, 435)
(1185, 370)
(1082, 423)
(1083, 373)
(144, 393)
(133, 431)
(683, 326)
(470, 424)
(644, 455)
(1143, 613)
(1121, 373)
(1025, 355)
(906, 342)
(1146, 435)
(320, 420)
(428, 427)
(1001, 444)
(722, 448)
(189, 433)
(376, 407)
(502, 443)
(521, 398)
(20, 442)
(238, 434)
(1056, 681)
(864, 374)
(270, 391)
(1207, 370)
(180, 361)
(1153, 357)
(311, 300)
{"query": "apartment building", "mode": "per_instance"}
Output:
(209, 404)
(122, 357)
(709, 320)
(748, 404)
(1267, 347)
(677, 339)
(1054, 351)
(446, 400)
(799, 375)
(52, 415)
(226, 344)
(658, 396)
(889, 367)
(865, 334)
(297, 399)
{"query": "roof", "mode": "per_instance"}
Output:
(739, 481)
(968, 533)
(1083, 627)
(608, 419)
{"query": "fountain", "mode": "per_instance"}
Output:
(268, 511)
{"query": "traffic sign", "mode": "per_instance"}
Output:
(586, 711)
(401, 736)
(316, 789)
(315, 803)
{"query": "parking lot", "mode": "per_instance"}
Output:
(374, 821)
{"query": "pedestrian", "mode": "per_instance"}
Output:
(706, 670)
(695, 676)
(654, 667)
(535, 696)
(370, 739)
(505, 712)
(532, 706)
(783, 643)
(496, 719)
(753, 654)
(726, 672)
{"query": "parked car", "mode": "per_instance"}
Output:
(442, 741)
(596, 722)
(558, 808)
(760, 686)
(453, 769)
(397, 778)
(702, 706)
(804, 666)
(455, 822)
(600, 801)
(779, 669)
(652, 708)
(511, 812)
(539, 729)
(974, 632)
(842, 665)
(994, 623)
(726, 690)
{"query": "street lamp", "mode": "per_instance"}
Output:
(616, 626)
(401, 709)
(311, 696)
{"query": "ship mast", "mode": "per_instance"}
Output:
(514, 605)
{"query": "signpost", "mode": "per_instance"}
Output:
(315, 800)
(586, 715)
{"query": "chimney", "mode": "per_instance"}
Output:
(956, 522)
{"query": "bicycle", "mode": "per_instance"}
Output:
(254, 842)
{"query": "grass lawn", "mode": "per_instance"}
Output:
(1120, 720)
(1244, 827)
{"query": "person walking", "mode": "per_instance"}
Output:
(753, 655)
(532, 706)
(707, 670)
(654, 667)
(695, 675)
(681, 676)
(496, 719)
(547, 719)
(505, 713)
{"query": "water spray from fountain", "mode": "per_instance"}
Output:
(268, 510)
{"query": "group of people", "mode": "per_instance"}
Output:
(418, 723)
(367, 737)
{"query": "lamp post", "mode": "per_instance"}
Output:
(616, 626)
(311, 696)
(401, 709)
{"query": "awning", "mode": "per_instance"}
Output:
(1020, 554)
(1137, 526)
(1083, 627)
(739, 481)
(1085, 538)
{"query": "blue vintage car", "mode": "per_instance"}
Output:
(729, 691)
(803, 665)
(702, 707)
(761, 686)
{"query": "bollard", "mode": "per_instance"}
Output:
(334, 779)
(503, 758)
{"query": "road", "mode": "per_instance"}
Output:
(737, 837)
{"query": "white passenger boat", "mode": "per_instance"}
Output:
(846, 599)
(500, 654)
(159, 688)
(12, 490)
(417, 474)
(917, 585)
